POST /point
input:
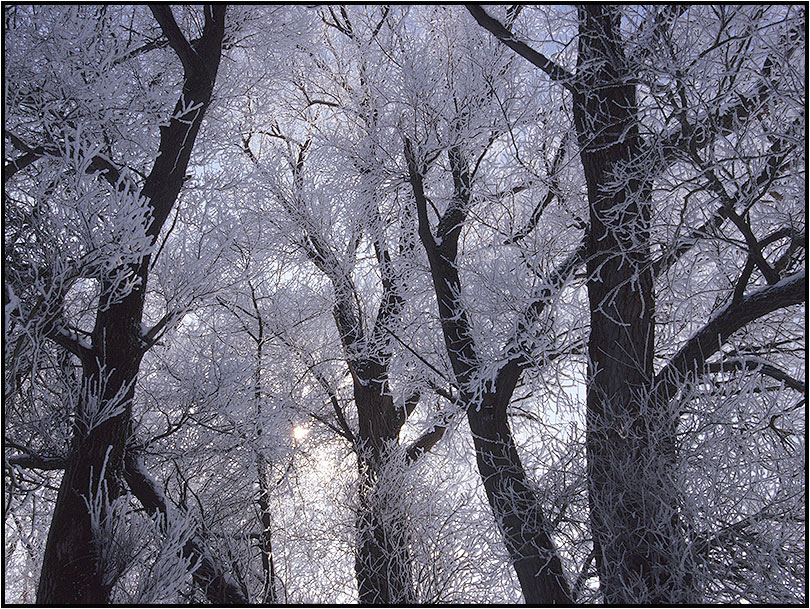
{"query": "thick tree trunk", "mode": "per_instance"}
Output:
(382, 563)
(73, 569)
(630, 439)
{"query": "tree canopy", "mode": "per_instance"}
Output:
(404, 304)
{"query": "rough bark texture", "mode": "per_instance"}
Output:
(382, 563)
(72, 567)
(513, 502)
(73, 570)
(630, 440)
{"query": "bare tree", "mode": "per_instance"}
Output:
(642, 552)
(73, 569)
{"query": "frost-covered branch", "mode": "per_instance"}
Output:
(212, 579)
(554, 70)
(29, 459)
(96, 164)
(707, 341)
(755, 364)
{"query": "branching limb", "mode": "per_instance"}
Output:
(98, 164)
(29, 459)
(708, 340)
(53, 325)
(758, 365)
(188, 57)
(151, 336)
(415, 173)
(425, 442)
(217, 585)
(752, 190)
(542, 298)
(554, 70)
(553, 191)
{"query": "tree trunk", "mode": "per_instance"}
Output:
(269, 594)
(382, 564)
(73, 569)
(514, 504)
(630, 439)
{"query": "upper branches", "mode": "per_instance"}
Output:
(177, 139)
(554, 70)
(188, 57)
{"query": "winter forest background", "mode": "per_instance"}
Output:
(418, 304)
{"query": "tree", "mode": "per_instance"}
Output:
(73, 569)
(383, 565)
(486, 385)
(640, 546)
(405, 304)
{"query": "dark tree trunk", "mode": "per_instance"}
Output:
(269, 593)
(514, 504)
(638, 539)
(630, 439)
(382, 564)
(73, 570)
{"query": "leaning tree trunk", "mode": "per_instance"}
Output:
(76, 568)
(514, 504)
(630, 443)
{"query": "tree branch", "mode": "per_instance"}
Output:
(496, 28)
(188, 57)
(218, 587)
(32, 460)
(558, 277)
(708, 340)
(425, 443)
(415, 171)
(776, 159)
(758, 365)
(98, 164)
(553, 190)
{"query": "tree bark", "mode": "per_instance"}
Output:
(73, 570)
(382, 563)
(630, 439)
(515, 504)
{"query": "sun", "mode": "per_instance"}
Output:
(300, 432)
